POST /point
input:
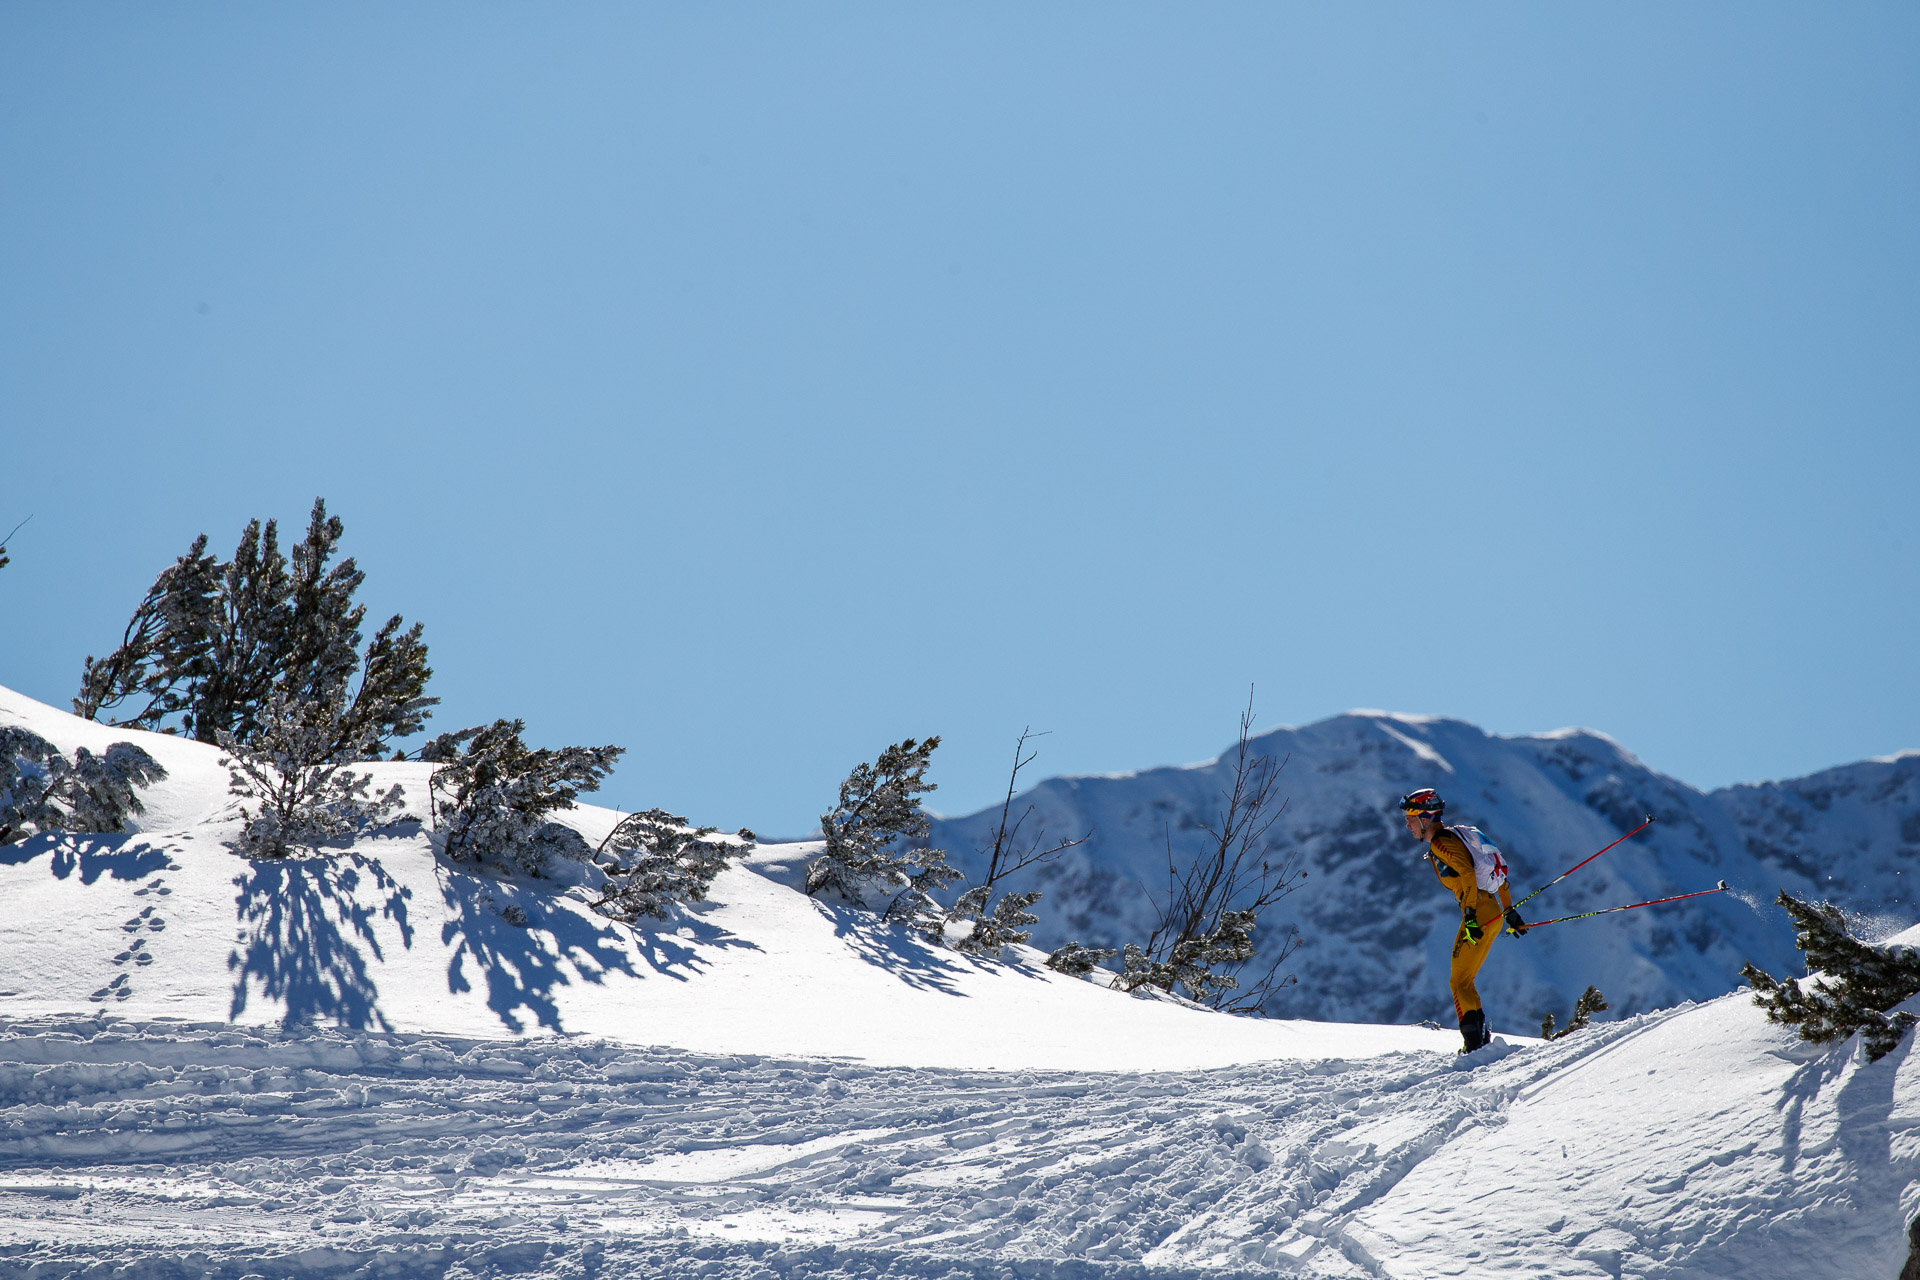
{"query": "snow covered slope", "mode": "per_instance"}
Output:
(349, 1066)
(1696, 1142)
(1376, 925)
(169, 923)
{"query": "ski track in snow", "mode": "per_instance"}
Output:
(161, 1150)
(254, 1149)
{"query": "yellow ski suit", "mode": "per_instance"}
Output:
(1453, 864)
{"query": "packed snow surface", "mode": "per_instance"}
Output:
(354, 1064)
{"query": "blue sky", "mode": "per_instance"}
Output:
(755, 385)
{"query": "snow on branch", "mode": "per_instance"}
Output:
(1850, 987)
(875, 838)
(500, 794)
(654, 860)
(42, 789)
(296, 780)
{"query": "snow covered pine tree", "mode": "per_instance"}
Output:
(295, 776)
(500, 793)
(870, 838)
(212, 642)
(1005, 926)
(1078, 961)
(42, 790)
(1850, 986)
(654, 859)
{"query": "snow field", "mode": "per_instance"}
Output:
(1694, 1143)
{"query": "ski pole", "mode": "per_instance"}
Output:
(1631, 905)
(1583, 862)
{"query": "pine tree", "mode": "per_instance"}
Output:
(1850, 987)
(295, 778)
(870, 837)
(1589, 1003)
(1078, 961)
(1202, 964)
(27, 784)
(1006, 925)
(162, 654)
(654, 859)
(42, 790)
(212, 642)
(499, 791)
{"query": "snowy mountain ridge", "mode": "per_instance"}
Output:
(1375, 927)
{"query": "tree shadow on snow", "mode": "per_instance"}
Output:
(121, 856)
(523, 964)
(1863, 1107)
(1865, 1111)
(904, 954)
(677, 954)
(304, 925)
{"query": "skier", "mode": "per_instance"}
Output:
(1485, 902)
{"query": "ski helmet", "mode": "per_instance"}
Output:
(1425, 800)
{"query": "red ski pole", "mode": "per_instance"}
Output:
(1583, 862)
(1630, 906)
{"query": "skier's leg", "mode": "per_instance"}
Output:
(1468, 956)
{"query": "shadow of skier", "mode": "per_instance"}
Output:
(295, 950)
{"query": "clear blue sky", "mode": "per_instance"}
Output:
(754, 385)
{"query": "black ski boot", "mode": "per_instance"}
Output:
(1473, 1030)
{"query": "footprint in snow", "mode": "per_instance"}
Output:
(119, 989)
(145, 920)
(136, 952)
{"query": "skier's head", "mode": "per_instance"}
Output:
(1423, 809)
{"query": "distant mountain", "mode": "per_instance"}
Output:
(1852, 832)
(1377, 925)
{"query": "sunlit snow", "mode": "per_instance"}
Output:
(353, 1064)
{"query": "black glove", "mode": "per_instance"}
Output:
(1514, 922)
(1471, 926)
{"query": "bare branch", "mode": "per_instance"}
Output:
(1005, 923)
(1204, 935)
